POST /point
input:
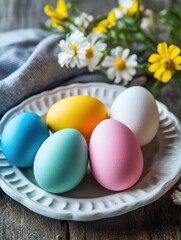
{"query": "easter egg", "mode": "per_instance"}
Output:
(137, 109)
(79, 112)
(116, 159)
(61, 161)
(22, 137)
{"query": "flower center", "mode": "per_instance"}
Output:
(89, 53)
(120, 64)
(169, 64)
(74, 47)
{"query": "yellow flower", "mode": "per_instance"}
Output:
(165, 62)
(106, 24)
(134, 9)
(57, 15)
(129, 7)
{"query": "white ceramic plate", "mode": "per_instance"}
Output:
(90, 201)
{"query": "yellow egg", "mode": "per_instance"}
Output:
(79, 112)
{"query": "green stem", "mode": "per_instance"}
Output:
(156, 87)
(68, 20)
(152, 41)
(138, 13)
(74, 8)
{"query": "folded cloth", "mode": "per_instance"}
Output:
(29, 65)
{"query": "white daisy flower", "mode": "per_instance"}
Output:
(119, 13)
(125, 5)
(73, 50)
(94, 52)
(120, 66)
(83, 20)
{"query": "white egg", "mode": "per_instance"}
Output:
(137, 109)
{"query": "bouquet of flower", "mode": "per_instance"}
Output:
(121, 43)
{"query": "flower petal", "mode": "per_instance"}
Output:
(126, 76)
(131, 63)
(100, 46)
(174, 51)
(108, 62)
(97, 56)
(125, 53)
(62, 44)
(154, 58)
(83, 44)
(119, 77)
(132, 57)
(56, 23)
(49, 10)
(131, 71)
(167, 74)
(111, 73)
(111, 19)
(178, 67)
(162, 49)
(73, 63)
(177, 62)
(154, 67)
(62, 8)
(117, 52)
(158, 74)
(91, 64)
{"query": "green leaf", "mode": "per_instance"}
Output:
(73, 8)
(105, 53)
(128, 20)
(140, 36)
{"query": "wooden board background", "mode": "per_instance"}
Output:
(159, 220)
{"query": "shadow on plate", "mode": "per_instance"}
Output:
(90, 188)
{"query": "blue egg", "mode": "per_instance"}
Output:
(22, 137)
(61, 161)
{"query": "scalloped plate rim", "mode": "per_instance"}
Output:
(93, 214)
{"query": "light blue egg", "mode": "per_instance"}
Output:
(61, 161)
(22, 137)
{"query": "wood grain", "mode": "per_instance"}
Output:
(132, 225)
(159, 220)
(19, 223)
(164, 218)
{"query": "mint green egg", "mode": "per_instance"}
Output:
(61, 161)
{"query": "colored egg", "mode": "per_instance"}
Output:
(115, 155)
(22, 137)
(61, 161)
(137, 109)
(79, 112)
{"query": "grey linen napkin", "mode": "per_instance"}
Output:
(29, 65)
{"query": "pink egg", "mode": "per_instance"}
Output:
(116, 158)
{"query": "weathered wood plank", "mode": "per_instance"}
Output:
(132, 225)
(19, 223)
(164, 218)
